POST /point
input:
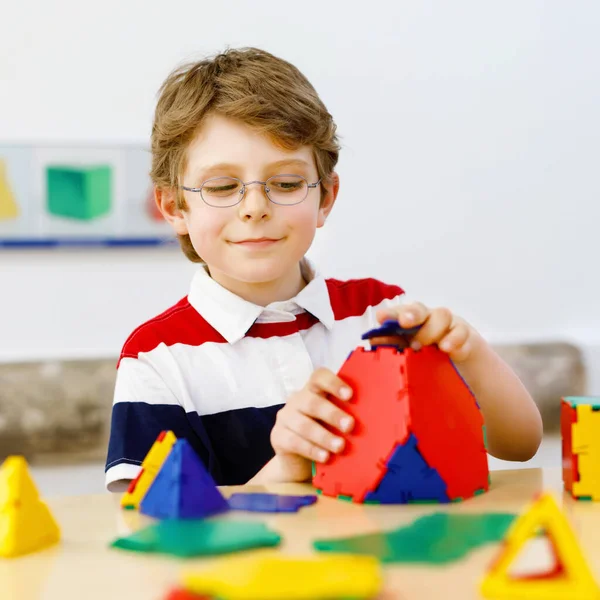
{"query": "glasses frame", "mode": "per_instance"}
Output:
(242, 192)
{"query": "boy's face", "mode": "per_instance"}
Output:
(222, 236)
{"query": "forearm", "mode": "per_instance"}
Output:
(272, 472)
(513, 422)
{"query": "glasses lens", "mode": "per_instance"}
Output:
(221, 191)
(287, 189)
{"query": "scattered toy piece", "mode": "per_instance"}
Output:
(150, 467)
(269, 502)
(185, 538)
(570, 578)
(437, 538)
(26, 524)
(277, 577)
(183, 488)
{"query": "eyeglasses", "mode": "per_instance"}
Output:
(222, 192)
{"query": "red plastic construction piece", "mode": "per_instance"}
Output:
(380, 411)
(397, 393)
(570, 466)
(447, 422)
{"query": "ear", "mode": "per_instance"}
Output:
(328, 201)
(166, 201)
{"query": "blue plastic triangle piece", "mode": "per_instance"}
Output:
(183, 488)
(409, 478)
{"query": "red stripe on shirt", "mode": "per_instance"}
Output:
(352, 298)
(182, 324)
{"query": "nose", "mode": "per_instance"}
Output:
(255, 205)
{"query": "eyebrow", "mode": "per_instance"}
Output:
(208, 169)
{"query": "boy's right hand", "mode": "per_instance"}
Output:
(299, 435)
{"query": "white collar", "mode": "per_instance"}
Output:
(233, 316)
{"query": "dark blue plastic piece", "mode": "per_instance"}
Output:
(409, 478)
(269, 502)
(390, 327)
(183, 488)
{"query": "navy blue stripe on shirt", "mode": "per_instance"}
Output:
(234, 445)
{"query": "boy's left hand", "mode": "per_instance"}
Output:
(440, 326)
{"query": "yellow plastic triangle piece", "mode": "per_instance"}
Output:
(273, 577)
(573, 579)
(151, 465)
(8, 205)
(26, 524)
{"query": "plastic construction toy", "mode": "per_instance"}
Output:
(269, 503)
(276, 577)
(26, 524)
(580, 429)
(419, 435)
(199, 537)
(570, 578)
(438, 538)
(183, 488)
(150, 467)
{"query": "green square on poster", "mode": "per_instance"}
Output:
(79, 192)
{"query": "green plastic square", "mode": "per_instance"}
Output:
(575, 401)
(82, 193)
(346, 498)
(186, 538)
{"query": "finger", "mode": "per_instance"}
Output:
(317, 407)
(435, 328)
(324, 380)
(285, 440)
(455, 339)
(410, 315)
(312, 431)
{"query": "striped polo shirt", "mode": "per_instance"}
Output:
(215, 369)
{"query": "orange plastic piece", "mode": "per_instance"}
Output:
(150, 467)
(570, 468)
(26, 524)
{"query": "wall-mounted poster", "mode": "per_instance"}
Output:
(78, 196)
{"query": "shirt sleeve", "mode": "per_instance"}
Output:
(143, 407)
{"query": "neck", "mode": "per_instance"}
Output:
(264, 292)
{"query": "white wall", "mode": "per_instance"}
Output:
(481, 117)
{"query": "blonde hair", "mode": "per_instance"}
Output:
(249, 85)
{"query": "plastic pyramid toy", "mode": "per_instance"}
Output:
(570, 578)
(8, 204)
(183, 488)
(418, 435)
(26, 524)
(150, 467)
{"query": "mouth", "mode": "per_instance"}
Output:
(257, 242)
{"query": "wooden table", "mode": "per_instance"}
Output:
(83, 567)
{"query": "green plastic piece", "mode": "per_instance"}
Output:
(478, 492)
(314, 469)
(129, 507)
(186, 538)
(437, 538)
(459, 499)
(346, 498)
(82, 193)
(485, 444)
(319, 491)
(371, 502)
(583, 498)
(594, 402)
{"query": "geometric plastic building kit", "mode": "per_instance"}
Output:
(150, 467)
(269, 502)
(433, 539)
(82, 193)
(277, 577)
(570, 579)
(183, 488)
(26, 524)
(580, 429)
(419, 433)
(199, 538)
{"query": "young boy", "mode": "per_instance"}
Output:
(243, 159)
